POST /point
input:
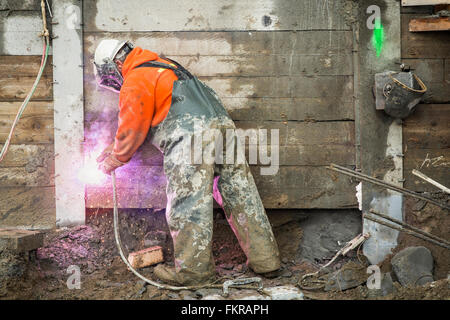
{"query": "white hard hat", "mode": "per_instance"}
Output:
(107, 49)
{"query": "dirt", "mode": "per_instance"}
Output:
(92, 249)
(431, 219)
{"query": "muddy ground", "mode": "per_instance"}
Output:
(306, 241)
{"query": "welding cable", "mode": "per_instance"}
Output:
(45, 34)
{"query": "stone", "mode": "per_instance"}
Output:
(206, 292)
(349, 276)
(287, 292)
(155, 238)
(173, 295)
(213, 297)
(248, 295)
(413, 266)
(146, 257)
(19, 240)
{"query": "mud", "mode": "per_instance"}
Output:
(104, 276)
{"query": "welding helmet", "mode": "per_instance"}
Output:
(106, 73)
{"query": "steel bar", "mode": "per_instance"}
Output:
(376, 181)
(431, 181)
(410, 232)
(405, 225)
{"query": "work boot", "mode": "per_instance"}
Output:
(169, 275)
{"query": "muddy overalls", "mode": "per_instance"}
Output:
(192, 182)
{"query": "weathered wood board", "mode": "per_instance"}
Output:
(27, 193)
(433, 74)
(292, 187)
(423, 45)
(291, 71)
(427, 146)
(32, 207)
(214, 15)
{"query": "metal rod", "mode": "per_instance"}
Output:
(405, 225)
(410, 232)
(376, 181)
(429, 180)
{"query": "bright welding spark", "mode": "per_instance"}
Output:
(90, 174)
(378, 36)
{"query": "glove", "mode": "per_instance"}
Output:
(105, 153)
(110, 163)
(107, 161)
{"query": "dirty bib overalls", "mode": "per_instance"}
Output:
(192, 182)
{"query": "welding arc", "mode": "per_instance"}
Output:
(30, 94)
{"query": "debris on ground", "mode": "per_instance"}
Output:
(413, 266)
(349, 276)
(104, 276)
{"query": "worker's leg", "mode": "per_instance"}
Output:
(189, 214)
(189, 209)
(245, 213)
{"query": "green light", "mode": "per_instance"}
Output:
(378, 36)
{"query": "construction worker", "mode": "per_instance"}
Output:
(161, 98)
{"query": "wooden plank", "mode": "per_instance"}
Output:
(292, 187)
(146, 257)
(317, 155)
(431, 71)
(282, 87)
(290, 109)
(30, 177)
(429, 24)
(290, 132)
(428, 127)
(435, 163)
(447, 70)
(17, 88)
(20, 5)
(32, 207)
(32, 129)
(230, 43)
(19, 66)
(39, 108)
(276, 109)
(262, 65)
(28, 156)
(423, 2)
(214, 15)
(423, 45)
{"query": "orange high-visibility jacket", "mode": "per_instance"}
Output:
(145, 99)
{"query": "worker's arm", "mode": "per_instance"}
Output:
(136, 104)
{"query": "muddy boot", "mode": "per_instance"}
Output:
(168, 275)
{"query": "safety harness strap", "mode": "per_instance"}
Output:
(180, 71)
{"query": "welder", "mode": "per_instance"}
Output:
(161, 99)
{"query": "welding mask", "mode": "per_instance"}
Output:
(107, 75)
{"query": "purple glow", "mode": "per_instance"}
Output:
(89, 173)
